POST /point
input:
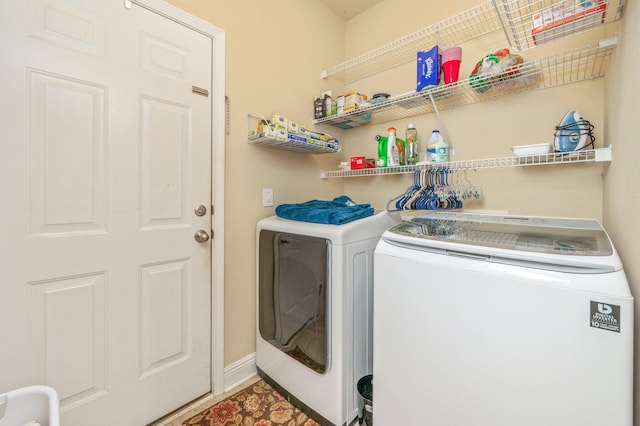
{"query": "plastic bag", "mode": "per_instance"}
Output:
(495, 70)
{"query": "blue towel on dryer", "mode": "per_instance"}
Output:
(338, 211)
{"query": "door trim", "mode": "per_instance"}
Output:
(217, 90)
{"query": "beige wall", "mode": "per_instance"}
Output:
(621, 193)
(275, 51)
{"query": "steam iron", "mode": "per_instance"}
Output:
(573, 133)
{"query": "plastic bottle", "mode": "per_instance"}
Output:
(437, 148)
(402, 151)
(393, 157)
(411, 140)
(442, 150)
(431, 146)
(382, 151)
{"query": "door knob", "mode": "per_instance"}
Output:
(201, 236)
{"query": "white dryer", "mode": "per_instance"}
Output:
(314, 317)
(484, 320)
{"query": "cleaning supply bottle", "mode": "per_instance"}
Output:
(393, 156)
(382, 151)
(432, 145)
(442, 149)
(411, 141)
(402, 151)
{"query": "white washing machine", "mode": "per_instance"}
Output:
(484, 320)
(314, 319)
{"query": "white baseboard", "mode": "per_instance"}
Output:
(240, 371)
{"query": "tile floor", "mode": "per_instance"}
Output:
(176, 418)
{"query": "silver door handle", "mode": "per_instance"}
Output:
(201, 236)
(200, 210)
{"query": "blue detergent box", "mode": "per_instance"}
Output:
(428, 68)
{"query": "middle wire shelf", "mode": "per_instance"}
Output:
(580, 64)
(582, 156)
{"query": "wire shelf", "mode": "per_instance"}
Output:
(585, 63)
(529, 23)
(297, 146)
(464, 26)
(290, 141)
(583, 156)
(526, 24)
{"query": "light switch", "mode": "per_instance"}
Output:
(267, 197)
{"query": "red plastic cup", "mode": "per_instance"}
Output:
(451, 58)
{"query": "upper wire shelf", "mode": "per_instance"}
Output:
(529, 23)
(526, 24)
(582, 156)
(464, 26)
(580, 64)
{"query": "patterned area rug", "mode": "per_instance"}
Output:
(256, 405)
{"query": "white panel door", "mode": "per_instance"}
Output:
(105, 295)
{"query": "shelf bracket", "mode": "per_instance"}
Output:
(511, 39)
(436, 30)
(608, 42)
(603, 154)
(442, 126)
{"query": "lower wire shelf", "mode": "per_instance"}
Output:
(582, 156)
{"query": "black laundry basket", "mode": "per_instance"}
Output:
(365, 403)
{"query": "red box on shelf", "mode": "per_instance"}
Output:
(568, 24)
(357, 162)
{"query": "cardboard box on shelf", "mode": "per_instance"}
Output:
(318, 108)
(352, 100)
(553, 23)
(357, 162)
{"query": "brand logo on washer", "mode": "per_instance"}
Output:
(604, 309)
(605, 316)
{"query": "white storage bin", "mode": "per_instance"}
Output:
(31, 405)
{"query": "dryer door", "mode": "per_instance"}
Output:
(293, 296)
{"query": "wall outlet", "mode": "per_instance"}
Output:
(267, 197)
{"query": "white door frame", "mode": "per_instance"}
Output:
(217, 36)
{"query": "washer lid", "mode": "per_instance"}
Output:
(534, 239)
(576, 237)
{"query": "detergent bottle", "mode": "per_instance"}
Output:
(382, 151)
(393, 154)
